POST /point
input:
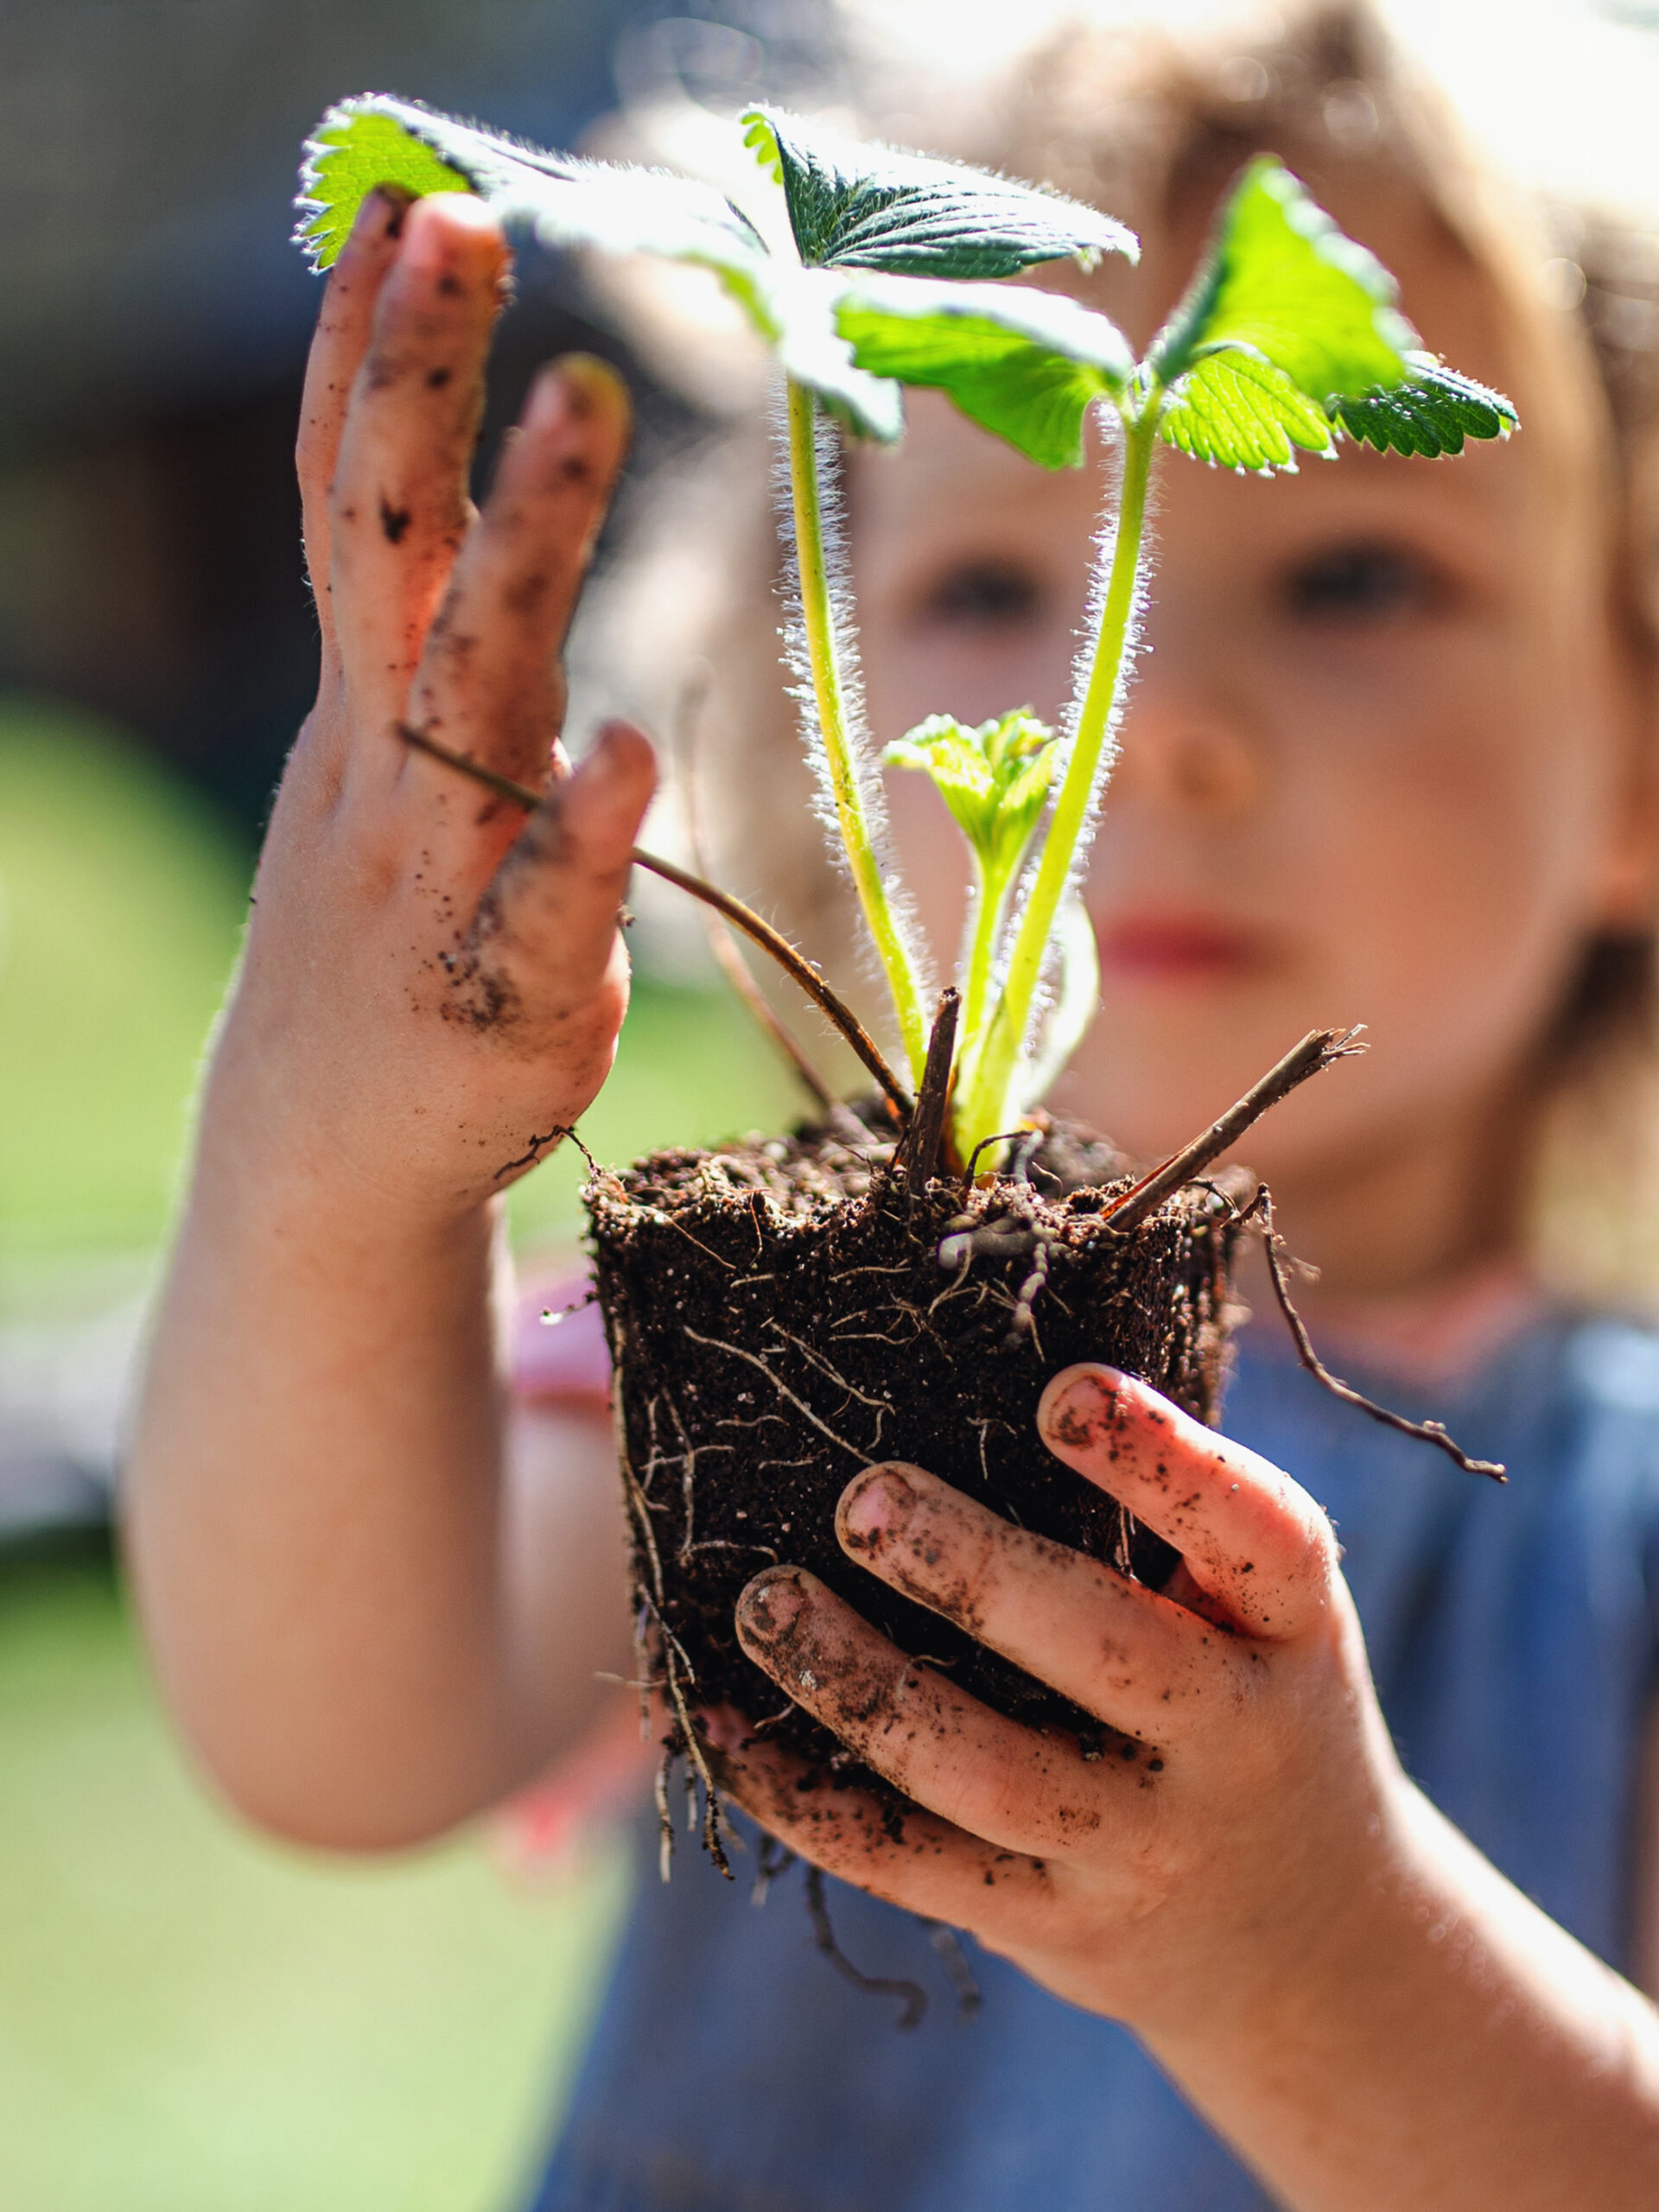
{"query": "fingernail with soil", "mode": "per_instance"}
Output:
(872, 1506)
(1077, 1405)
(589, 387)
(770, 1607)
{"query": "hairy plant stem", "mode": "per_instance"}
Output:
(989, 910)
(988, 1103)
(830, 695)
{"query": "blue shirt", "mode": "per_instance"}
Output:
(1512, 1633)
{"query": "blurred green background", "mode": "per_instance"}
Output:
(190, 2017)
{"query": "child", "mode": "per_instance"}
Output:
(1388, 759)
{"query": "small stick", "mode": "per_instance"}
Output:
(733, 966)
(1316, 1050)
(919, 1149)
(722, 902)
(1427, 1432)
(722, 944)
(914, 1996)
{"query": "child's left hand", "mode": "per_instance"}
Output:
(1250, 1810)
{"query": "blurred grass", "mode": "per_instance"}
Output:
(190, 2019)
(121, 904)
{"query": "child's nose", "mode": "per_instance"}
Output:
(1190, 756)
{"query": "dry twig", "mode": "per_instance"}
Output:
(793, 963)
(1317, 1050)
(1427, 1432)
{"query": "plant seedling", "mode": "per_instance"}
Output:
(1287, 340)
(763, 1302)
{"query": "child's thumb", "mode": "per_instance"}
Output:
(556, 900)
(602, 802)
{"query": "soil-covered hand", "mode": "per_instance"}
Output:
(1341, 1985)
(1250, 1794)
(433, 984)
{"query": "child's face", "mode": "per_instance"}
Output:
(1376, 765)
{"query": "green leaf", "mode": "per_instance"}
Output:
(858, 206)
(380, 140)
(570, 203)
(1024, 364)
(994, 779)
(795, 309)
(1431, 413)
(1237, 409)
(355, 147)
(1281, 282)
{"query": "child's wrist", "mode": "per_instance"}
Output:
(1339, 1943)
(290, 1176)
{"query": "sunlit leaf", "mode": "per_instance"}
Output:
(381, 140)
(1431, 413)
(995, 779)
(1022, 363)
(1237, 409)
(571, 203)
(354, 148)
(858, 206)
(795, 309)
(1281, 282)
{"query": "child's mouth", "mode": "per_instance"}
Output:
(1176, 947)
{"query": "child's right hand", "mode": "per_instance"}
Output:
(433, 985)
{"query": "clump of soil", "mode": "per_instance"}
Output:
(783, 1312)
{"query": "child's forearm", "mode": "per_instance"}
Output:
(317, 1501)
(322, 1506)
(1452, 2050)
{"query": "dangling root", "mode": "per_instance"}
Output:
(948, 1944)
(914, 1996)
(1427, 1432)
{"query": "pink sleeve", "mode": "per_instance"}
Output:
(566, 1362)
(537, 1834)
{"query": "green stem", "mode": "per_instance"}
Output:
(988, 923)
(988, 1105)
(830, 694)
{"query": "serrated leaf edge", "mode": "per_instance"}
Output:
(761, 136)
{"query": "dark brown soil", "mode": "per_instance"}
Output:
(786, 1311)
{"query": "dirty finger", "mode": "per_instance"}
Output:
(1137, 1661)
(1252, 1540)
(542, 962)
(399, 508)
(908, 1857)
(344, 324)
(490, 684)
(974, 1768)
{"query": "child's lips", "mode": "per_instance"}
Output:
(1176, 947)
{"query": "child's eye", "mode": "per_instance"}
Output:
(1363, 583)
(982, 594)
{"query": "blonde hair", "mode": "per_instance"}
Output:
(1152, 127)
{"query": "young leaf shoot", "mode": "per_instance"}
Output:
(995, 779)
